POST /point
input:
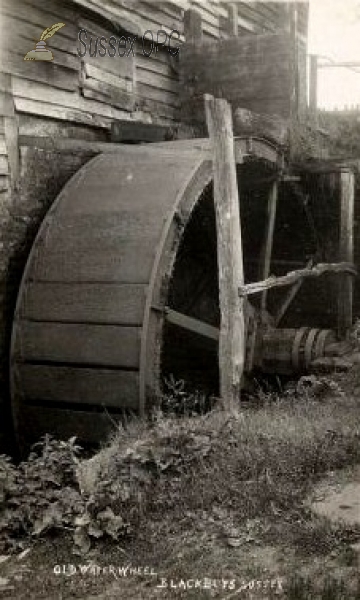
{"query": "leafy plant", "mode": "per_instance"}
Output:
(43, 494)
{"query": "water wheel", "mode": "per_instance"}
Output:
(123, 271)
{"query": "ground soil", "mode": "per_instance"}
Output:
(208, 550)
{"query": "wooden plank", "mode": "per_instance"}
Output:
(12, 145)
(63, 59)
(2, 127)
(147, 92)
(70, 385)
(156, 80)
(38, 18)
(84, 303)
(313, 89)
(39, 13)
(229, 244)
(33, 128)
(192, 26)
(51, 74)
(156, 11)
(11, 135)
(173, 10)
(177, 148)
(72, 264)
(269, 238)
(101, 75)
(123, 67)
(114, 15)
(52, 111)
(233, 19)
(57, 8)
(63, 424)
(18, 29)
(148, 63)
(208, 12)
(61, 101)
(6, 104)
(191, 324)
(249, 10)
(4, 183)
(103, 92)
(3, 149)
(346, 251)
(161, 57)
(74, 344)
(4, 165)
(244, 26)
(132, 131)
(157, 108)
(149, 20)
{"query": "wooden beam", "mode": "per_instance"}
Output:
(346, 250)
(269, 238)
(233, 19)
(295, 53)
(191, 324)
(137, 132)
(11, 132)
(294, 276)
(192, 26)
(313, 85)
(229, 249)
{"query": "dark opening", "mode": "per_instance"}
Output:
(194, 292)
(193, 289)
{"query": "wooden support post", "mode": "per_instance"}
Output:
(346, 250)
(313, 89)
(269, 238)
(229, 249)
(192, 26)
(233, 19)
(11, 131)
(295, 52)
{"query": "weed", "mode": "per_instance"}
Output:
(255, 463)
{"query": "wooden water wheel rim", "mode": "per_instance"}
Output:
(190, 163)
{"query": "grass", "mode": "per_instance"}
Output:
(266, 458)
(222, 492)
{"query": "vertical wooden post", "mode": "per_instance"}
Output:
(11, 131)
(295, 53)
(192, 26)
(233, 19)
(346, 250)
(313, 89)
(269, 238)
(229, 249)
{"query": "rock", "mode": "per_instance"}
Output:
(343, 505)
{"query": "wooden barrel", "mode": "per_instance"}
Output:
(291, 351)
(87, 333)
